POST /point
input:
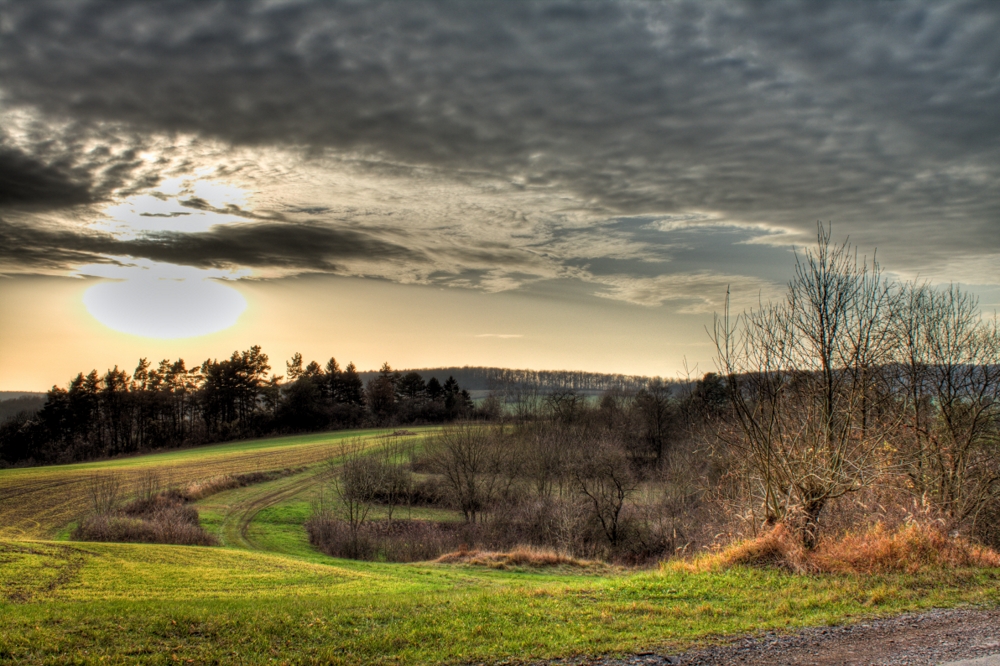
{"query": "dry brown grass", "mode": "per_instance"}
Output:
(522, 556)
(912, 548)
(202, 488)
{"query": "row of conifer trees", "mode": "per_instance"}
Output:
(173, 405)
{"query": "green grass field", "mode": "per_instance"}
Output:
(266, 596)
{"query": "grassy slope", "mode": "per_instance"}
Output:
(61, 602)
(151, 603)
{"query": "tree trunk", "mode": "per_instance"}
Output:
(811, 510)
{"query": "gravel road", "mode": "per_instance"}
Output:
(934, 637)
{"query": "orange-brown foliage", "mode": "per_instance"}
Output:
(912, 548)
(523, 556)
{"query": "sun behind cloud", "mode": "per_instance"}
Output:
(160, 301)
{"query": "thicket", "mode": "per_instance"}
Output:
(607, 480)
(171, 405)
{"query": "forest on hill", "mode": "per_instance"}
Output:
(171, 405)
(482, 378)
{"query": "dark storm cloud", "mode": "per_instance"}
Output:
(258, 245)
(24, 181)
(880, 116)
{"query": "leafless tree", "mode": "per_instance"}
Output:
(655, 410)
(604, 476)
(147, 485)
(474, 465)
(803, 378)
(105, 491)
(395, 482)
(356, 475)
(950, 360)
(543, 455)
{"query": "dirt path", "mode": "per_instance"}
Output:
(235, 527)
(934, 637)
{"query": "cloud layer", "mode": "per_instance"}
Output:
(492, 145)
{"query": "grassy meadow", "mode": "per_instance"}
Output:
(266, 596)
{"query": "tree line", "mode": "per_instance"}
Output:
(482, 378)
(173, 405)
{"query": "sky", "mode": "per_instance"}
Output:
(548, 185)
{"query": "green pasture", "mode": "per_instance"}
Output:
(123, 603)
(266, 596)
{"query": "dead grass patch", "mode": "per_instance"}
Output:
(202, 488)
(521, 557)
(911, 548)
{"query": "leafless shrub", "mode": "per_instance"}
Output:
(162, 518)
(399, 541)
(147, 485)
(105, 491)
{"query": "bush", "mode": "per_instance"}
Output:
(163, 518)
(398, 541)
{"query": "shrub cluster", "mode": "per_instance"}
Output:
(163, 518)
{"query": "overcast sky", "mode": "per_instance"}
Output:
(548, 185)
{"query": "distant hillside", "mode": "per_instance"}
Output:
(13, 402)
(10, 395)
(487, 379)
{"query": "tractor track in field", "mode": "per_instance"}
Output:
(235, 527)
(26, 488)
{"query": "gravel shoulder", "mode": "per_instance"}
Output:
(933, 637)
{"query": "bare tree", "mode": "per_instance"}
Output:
(356, 482)
(803, 379)
(604, 476)
(474, 464)
(147, 485)
(655, 408)
(951, 400)
(543, 453)
(394, 477)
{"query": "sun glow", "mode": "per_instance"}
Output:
(178, 205)
(162, 301)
